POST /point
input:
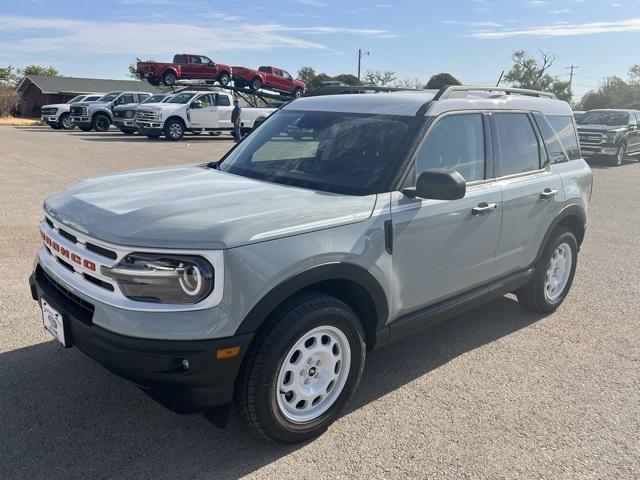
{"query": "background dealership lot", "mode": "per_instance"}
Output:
(495, 393)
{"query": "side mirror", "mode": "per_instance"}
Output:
(196, 104)
(438, 184)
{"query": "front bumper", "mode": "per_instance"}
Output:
(83, 120)
(50, 119)
(156, 366)
(593, 150)
(122, 123)
(153, 128)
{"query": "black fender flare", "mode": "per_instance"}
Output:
(314, 275)
(573, 210)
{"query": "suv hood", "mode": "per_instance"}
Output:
(198, 207)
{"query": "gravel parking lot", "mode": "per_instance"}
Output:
(498, 392)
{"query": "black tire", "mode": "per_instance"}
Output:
(533, 295)
(169, 78)
(85, 128)
(224, 79)
(153, 136)
(101, 122)
(256, 84)
(297, 93)
(128, 131)
(173, 130)
(256, 387)
(620, 154)
(155, 81)
(65, 122)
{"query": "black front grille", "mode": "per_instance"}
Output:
(78, 111)
(68, 236)
(101, 251)
(49, 111)
(84, 308)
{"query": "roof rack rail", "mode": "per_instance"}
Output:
(448, 92)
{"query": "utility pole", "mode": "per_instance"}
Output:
(572, 68)
(360, 55)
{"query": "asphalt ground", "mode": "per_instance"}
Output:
(498, 392)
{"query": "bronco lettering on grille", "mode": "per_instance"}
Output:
(74, 257)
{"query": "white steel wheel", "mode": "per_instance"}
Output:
(313, 374)
(558, 272)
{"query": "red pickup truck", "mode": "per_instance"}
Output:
(272, 78)
(184, 66)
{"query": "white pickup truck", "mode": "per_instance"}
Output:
(193, 111)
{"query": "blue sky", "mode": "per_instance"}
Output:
(472, 39)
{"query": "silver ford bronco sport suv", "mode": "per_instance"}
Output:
(340, 224)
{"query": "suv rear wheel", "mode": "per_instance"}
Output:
(553, 275)
(303, 370)
(101, 122)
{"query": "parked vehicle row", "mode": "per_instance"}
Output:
(609, 133)
(171, 115)
(200, 67)
(58, 115)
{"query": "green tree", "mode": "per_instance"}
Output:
(348, 78)
(13, 76)
(306, 75)
(7, 75)
(531, 73)
(613, 92)
(439, 80)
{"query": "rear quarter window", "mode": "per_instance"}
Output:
(566, 131)
(552, 144)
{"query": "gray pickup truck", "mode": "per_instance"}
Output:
(98, 115)
(124, 116)
(338, 225)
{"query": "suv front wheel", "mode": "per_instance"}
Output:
(553, 275)
(303, 369)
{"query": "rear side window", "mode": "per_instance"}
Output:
(179, 59)
(126, 98)
(223, 101)
(455, 142)
(143, 96)
(553, 146)
(566, 132)
(516, 144)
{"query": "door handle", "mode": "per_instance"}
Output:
(483, 207)
(548, 193)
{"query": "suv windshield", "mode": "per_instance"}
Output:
(338, 152)
(155, 99)
(608, 118)
(110, 96)
(181, 98)
(79, 98)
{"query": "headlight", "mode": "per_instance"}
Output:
(611, 137)
(158, 278)
(129, 114)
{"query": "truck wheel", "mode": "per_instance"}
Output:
(256, 84)
(101, 122)
(173, 130)
(155, 81)
(302, 369)
(553, 275)
(65, 122)
(224, 79)
(84, 128)
(620, 154)
(169, 78)
(297, 92)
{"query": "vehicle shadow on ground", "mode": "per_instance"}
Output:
(600, 164)
(64, 415)
(115, 137)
